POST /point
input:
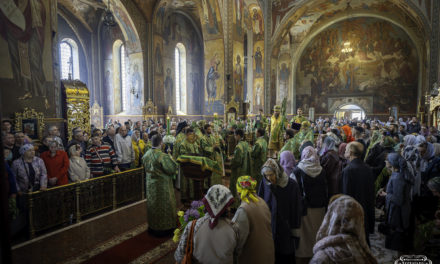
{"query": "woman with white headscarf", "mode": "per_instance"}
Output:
(312, 183)
(214, 239)
(30, 171)
(78, 169)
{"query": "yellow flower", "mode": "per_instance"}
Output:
(180, 213)
(176, 236)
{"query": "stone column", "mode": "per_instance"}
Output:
(267, 15)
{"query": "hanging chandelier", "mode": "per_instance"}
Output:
(109, 19)
(346, 48)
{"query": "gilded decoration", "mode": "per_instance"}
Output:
(78, 109)
(231, 110)
(149, 110)
(434, 106)
(97, 115)
(31, 123)
(434, 102)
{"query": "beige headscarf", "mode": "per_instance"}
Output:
(272, 165)
(344, 221)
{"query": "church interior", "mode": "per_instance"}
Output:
(76, 72)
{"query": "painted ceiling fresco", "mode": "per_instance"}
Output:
(83, 10)
(308, 13)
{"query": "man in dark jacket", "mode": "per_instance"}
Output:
(414, 126)
(358, 182)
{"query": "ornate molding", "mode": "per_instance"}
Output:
(78, 106)
(30, 122)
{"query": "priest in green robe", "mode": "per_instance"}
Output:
(259, 156)
(240, 162)
(210, 146)
(299, 118)
(304, 134)
(160, 170)
(187, 146)
(289, 145)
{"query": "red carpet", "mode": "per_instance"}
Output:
(128, 250)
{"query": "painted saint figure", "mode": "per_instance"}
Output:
(25, 39)
(258, 63)
(258, 23)
(238, 79)
(211, 78)
(135, 91)
(284, 80)
(258, 95)
(169, 92)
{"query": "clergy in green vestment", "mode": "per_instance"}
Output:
(304, 134)
(299, 118)
(160, 170)
(188, 146)
(240, 163)
(289, 144)
(259, 156)
(210, 146)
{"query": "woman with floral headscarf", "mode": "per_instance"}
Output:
(282, 195)
(341, 237)
(311, 179)
(214, 239)
(252, 220)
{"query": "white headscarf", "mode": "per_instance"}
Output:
(216, 201)
(310, 162)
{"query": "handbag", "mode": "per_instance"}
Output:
(187, 259)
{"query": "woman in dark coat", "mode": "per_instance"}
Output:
(332, 165)
(398, 203)
(282, 195)
(311, 179)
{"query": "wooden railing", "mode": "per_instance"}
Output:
(71, 203)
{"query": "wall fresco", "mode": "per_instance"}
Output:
(383, 64)
(27, 66)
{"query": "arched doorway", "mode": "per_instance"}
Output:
(350, 111)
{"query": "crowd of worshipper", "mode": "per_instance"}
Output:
(301, 191)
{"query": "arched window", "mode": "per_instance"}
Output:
(180, 78)
(69, 62)
(123, 78)
(120, 77)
